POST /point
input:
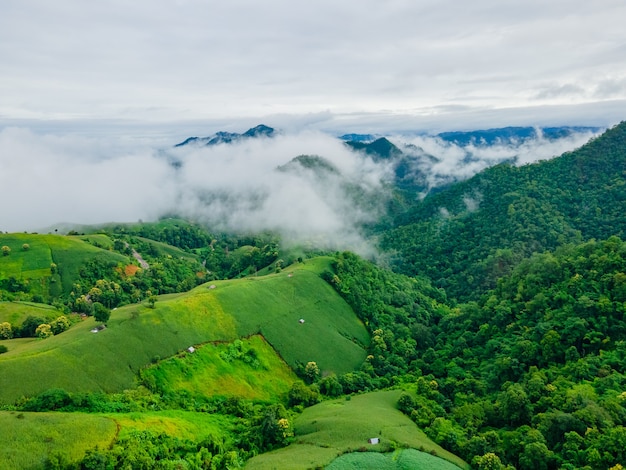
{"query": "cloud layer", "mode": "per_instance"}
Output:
(159, 61)
(48, 181)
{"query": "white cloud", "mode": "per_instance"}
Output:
(161, 61)
(47, 180)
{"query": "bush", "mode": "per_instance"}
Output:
(3, 349)
(6, 331)
(44, 331)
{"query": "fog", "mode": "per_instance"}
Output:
(55, 181)
(50, 182)
(454, 162)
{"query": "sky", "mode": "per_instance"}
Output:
(155, 68)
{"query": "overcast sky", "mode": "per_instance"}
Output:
(366, 65)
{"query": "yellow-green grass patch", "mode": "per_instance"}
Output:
(16, 312)
(211, 371)
(175, 423)
(27, 440)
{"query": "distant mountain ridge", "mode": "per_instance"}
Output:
(223, 137)
(507, 135)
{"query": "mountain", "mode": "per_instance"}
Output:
(511, 135)
(466, 236)
(494, 321)
(229, 137)
(379, 149)
(365, 138)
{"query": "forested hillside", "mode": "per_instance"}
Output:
(466, 237)
(532, 374)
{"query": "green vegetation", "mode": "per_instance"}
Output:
(135, 335)
(405, 459)
(465, 237)
(331, 334)
(326, 430)
(247, 369)
(501, 334)
(30, 440)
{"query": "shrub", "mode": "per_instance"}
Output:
(6, 331)
(44, 331)
(60, 324)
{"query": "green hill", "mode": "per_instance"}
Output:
(35, 440)
(465, 237)
(136, 335)
(336, 427)
(48, 265)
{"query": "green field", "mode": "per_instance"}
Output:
(108, 361)
(28, 440)
(33, 264)
(213, 370)
(405, 459)
(16, 312)
(332, 428)
(273, 305)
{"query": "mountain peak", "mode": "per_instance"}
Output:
(223, 137)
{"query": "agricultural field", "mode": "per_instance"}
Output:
(50, 264)
(247, 368)
(222, 311)
(403, 459)
(300, 316)
(31, 440)
(337, 427)
(15, 312)
(28, 439)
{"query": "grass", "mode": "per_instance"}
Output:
(405, 459)
(33, 264)
(212, 371)
(16, 312)
(273, 305)
(341, 426)
(136, 336)
(175, 423)
(28, 439)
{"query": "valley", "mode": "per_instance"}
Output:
(482, 324)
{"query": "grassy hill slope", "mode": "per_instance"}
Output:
(30, 440)
(27, 440)
(335, 427)
(78, 360)
(32, 256)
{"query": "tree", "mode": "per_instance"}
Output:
(44, 331)
(6, 251)
(29, 326)
(152, 300)
(311, 372)
(101, 313)
(60, 324)
(489, 461)
(6, 331)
